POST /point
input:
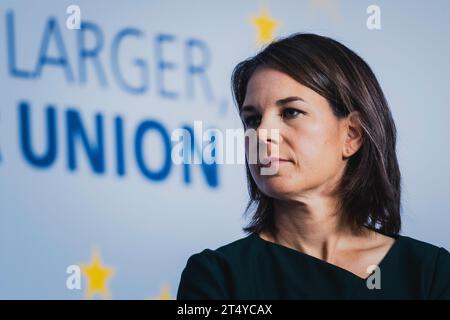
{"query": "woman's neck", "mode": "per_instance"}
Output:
(313, 227)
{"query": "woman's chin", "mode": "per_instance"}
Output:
(277, 187)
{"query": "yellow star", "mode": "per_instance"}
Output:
(265, 26)
(97, 275)
(164, 294)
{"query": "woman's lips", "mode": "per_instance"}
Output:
(268, 162)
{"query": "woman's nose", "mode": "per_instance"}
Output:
(268, 129)
(268, 136)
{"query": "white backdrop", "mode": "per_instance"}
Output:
(85, 115)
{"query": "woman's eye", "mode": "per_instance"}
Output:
(252, 121)
(290, 113)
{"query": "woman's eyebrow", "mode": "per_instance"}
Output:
(280, 102)
(289, 99)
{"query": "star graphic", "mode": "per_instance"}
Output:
(97, 276)
(265, 26)
(164, 294)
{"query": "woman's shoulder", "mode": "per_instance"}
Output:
(408, 248)
(421, 254)
(418, 249)
(430, 261)
(229, 253)
(208, 274)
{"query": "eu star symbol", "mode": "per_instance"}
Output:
(265, 26)
(97, 277)
(164, 294)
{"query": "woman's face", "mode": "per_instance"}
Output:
(311, 140)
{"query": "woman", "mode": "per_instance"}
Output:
(326, 224)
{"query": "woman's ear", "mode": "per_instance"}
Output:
(353, 134)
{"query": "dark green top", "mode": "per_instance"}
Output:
(254, 268)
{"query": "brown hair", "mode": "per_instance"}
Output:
(369, 191)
